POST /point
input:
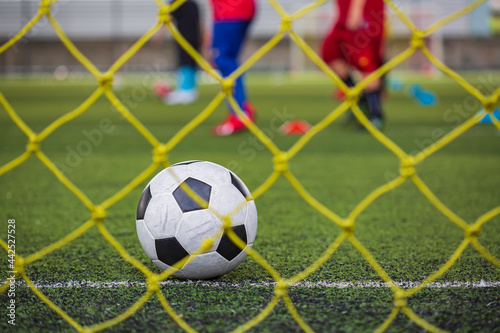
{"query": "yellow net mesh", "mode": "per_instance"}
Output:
(280, 161)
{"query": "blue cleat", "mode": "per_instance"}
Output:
(486, 119)
(423, 96)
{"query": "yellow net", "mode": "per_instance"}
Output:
(280, 161)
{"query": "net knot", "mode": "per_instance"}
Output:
(473, 231)
(490, 104)
(352, 95)
(19, 264)
(44, 7)
(207, 244)
(226, 222)
(348, 226)
(106, 80)
(153, 283)
(399, 300)
(286, 23)
(281, 162)
(227, 85)
(33, 145)
(407, 167)
(160, 154)
(164, 14)
(281, 289)
(98, 214)
(417, 40)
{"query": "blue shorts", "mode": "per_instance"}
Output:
(228, 38)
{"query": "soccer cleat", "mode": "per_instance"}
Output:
(487, 118)
(233, 124)
(338, 95)
(161, 89)
(424, 97)
(173, 97)
(180, 96)
(351, 120)
(378, 122)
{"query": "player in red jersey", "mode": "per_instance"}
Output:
(231, 22)
(356, 42)
(231, 10)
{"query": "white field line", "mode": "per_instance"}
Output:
(303, 284)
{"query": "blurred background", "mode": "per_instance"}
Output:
(104, 29)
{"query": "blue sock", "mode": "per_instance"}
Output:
(373, 104)
(186, 78)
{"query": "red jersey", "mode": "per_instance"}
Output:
(233, 10)
(362, 48)
(373, 15)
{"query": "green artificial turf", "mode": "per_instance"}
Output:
(100, 153)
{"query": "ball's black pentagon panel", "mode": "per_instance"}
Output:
(143, 203)
(227, 248)
(185, 163)
(239, 185)
(169, 250)
(184, 200)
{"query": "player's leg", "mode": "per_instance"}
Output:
(331, 54)
(372, 57)
(187, 21)
(372, 96)
(367, 61)
(341, 68)
(228, 38)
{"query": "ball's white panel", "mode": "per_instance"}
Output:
(168, 179)
(161, 265)
(146, 239)
(205, 266)
(162, 216)
(210, 173)
(195, 227)
(178, 274)
(225, 199)
(236, 261)
(251, 222)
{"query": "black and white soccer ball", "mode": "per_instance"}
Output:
(171, 225)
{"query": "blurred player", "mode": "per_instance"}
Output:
(231, 21)
(187, 20)
(356, 42)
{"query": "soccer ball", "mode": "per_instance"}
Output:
(171, 225)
